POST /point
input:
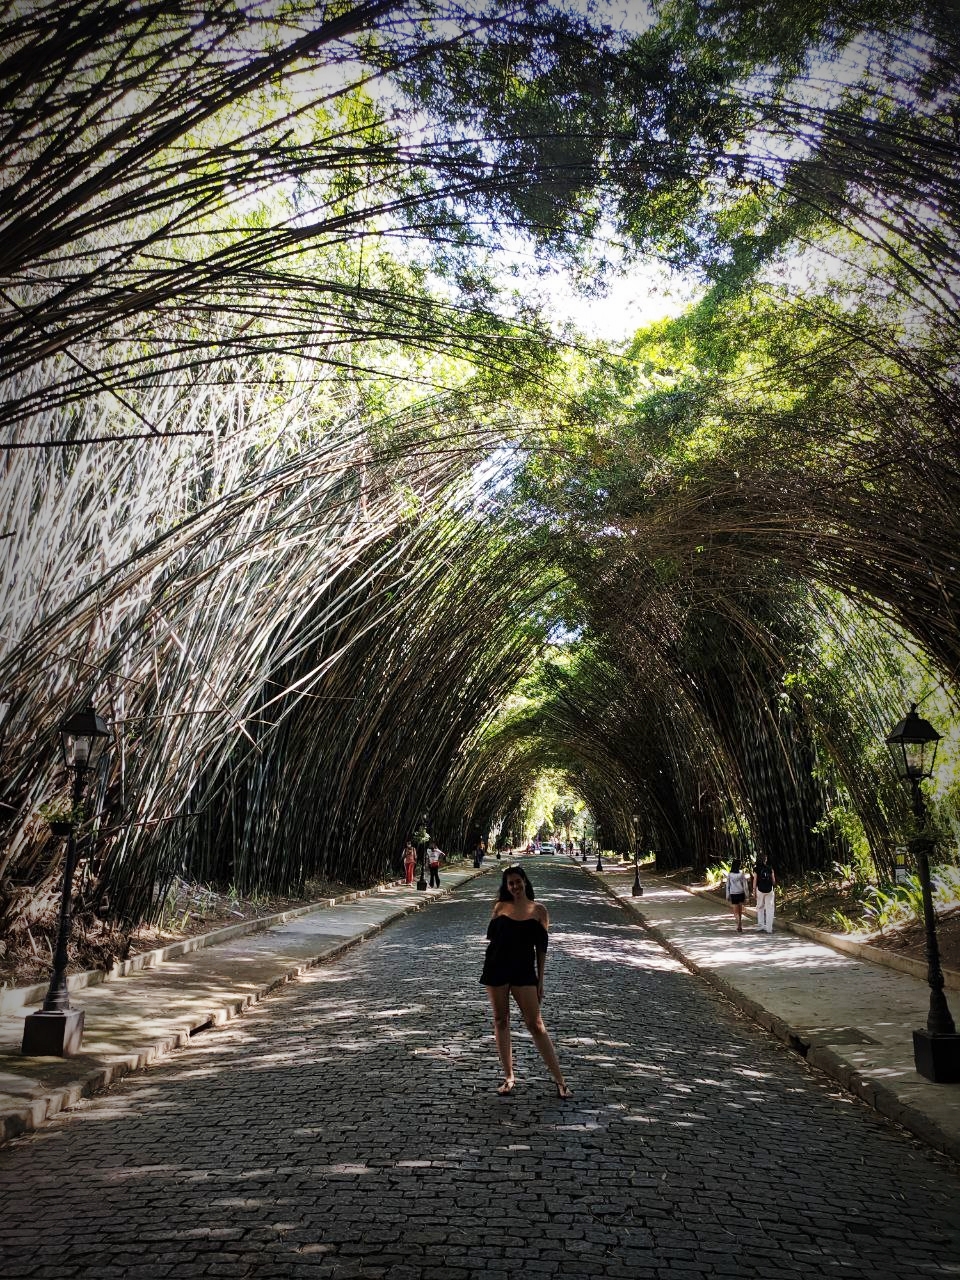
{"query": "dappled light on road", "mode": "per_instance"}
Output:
(352, 1119)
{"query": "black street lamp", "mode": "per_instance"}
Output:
(936, 1051)
(421, 838)
(56, 1029)
(596, 832)
(637, 886)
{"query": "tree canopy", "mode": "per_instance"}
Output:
(311, 492)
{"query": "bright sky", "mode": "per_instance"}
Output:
(640, 295)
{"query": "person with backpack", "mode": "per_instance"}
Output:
(738, 882)
(764, 882)
(433, 862)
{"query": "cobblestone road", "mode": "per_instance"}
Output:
(349, 1127)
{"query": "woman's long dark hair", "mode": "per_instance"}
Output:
(505, 895)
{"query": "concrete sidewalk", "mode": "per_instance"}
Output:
(852, 1019)
(132, 1020)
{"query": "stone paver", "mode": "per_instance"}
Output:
(134, 1020)
(850, 1018)
(348, 1127)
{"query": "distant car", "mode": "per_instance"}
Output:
(547, 847)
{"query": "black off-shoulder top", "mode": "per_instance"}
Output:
(512, 951)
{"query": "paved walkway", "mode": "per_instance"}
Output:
(348, 1127)
(132, 1021)
(848, 1017)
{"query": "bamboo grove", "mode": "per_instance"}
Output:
(306, 489)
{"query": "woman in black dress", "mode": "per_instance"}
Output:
(514, 964)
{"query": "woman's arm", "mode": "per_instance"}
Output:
(540, 911)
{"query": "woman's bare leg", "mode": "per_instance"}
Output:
(526, 998)
(500, 1003)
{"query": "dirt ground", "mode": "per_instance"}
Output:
(190, 910)
(911, 940)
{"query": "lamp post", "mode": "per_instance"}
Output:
(56, 1029)
(421, 837)
(637, 890)
(596, 832)
(936, 1051)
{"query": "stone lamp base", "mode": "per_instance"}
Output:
(937, 1057)
(54, 1035)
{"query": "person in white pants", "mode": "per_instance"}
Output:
(764, 887)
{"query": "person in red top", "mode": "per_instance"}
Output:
(409, 861)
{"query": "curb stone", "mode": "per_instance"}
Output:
(20, 1120)
(820, 1056)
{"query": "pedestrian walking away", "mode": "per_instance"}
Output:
(738, 882)
(764, 887)
(514, 965)
(433, 862)
(409, 862)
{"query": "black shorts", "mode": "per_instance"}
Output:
(493, 977)
(503, 979)
(738, 898)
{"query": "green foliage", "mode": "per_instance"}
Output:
(716, 873)
(902, 903)
(61, 812)
(413, 551)
(882, 906)
(842, 923)
(945, 883)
